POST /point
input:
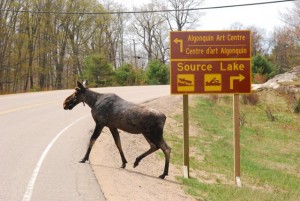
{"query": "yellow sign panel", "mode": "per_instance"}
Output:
(186, 82)
(212, 82)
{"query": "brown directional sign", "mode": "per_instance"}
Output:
(210, 62)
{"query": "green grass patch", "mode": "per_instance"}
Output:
(270, 153)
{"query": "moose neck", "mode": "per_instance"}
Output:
(90, 98)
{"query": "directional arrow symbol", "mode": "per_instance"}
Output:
(239, 78)
(181, 43)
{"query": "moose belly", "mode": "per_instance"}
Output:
(126, 126)
(136, 119)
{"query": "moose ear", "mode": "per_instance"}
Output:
(85, 83)
(80, 86)
(77, 89)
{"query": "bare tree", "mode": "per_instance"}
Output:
(286, 40)
(259, 43)
(45, 45)
(286, 49)
(161, 38)
(8, 25)
(291, 19)
(115, 32)
(183, 16)
(146, 25)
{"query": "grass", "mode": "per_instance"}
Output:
(270, 150)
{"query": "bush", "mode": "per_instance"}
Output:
(97, 70)
(262, 69)
(297, 106)
(157, 73)
(291, 100)
(250, 99)
(269, 114)
(259, 78)
(125, 75)
(214, 98)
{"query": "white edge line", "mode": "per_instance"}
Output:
(30, 186)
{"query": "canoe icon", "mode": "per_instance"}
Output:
(184, 82)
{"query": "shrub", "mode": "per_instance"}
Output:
(269, 114)
(157, 73)
(259, 78)
(213, 98)
(125, 75)
(250, 99)
(261, 65)
(97, 70)
(291, 100)
(297, 106)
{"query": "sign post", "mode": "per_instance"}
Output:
(211, 62)
(186, 157)
(236, 139)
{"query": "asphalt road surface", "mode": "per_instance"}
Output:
(41, 144)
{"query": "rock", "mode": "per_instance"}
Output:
(288, 81)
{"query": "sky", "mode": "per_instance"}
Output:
(266, 17)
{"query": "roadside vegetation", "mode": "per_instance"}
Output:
(270, 154)
(100, 74)
(48, 45)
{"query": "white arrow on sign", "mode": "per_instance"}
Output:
(181, 43)
(239, 78)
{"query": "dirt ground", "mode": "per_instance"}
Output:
(142, 182)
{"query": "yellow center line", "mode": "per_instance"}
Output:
(25, 107)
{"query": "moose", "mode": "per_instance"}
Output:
(112, 111)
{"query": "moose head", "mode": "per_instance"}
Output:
(76, 97)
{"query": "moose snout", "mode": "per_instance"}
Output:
(66, 106)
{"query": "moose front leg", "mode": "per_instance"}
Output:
(95, 135)
(116, 136)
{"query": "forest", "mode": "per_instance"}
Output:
(48, 45)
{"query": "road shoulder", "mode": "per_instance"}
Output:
(142, 182)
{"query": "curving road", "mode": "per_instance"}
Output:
(41, 144)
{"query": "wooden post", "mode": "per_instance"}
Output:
(135, 57)
(236, 132)
(186, 160)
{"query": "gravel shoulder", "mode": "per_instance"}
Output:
(142, 182)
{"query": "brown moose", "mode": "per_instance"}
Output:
(116, 113)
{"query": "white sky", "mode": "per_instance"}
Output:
(262, 16)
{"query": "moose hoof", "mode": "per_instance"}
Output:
(82, 161)
(123, 166)
(136, 163)
(162, 176)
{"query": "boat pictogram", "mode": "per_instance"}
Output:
(184, 82)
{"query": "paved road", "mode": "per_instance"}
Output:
(41, 144)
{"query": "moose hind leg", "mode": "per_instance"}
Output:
(167, 151)
(152, 149)
(95, 135)
(116, 136)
